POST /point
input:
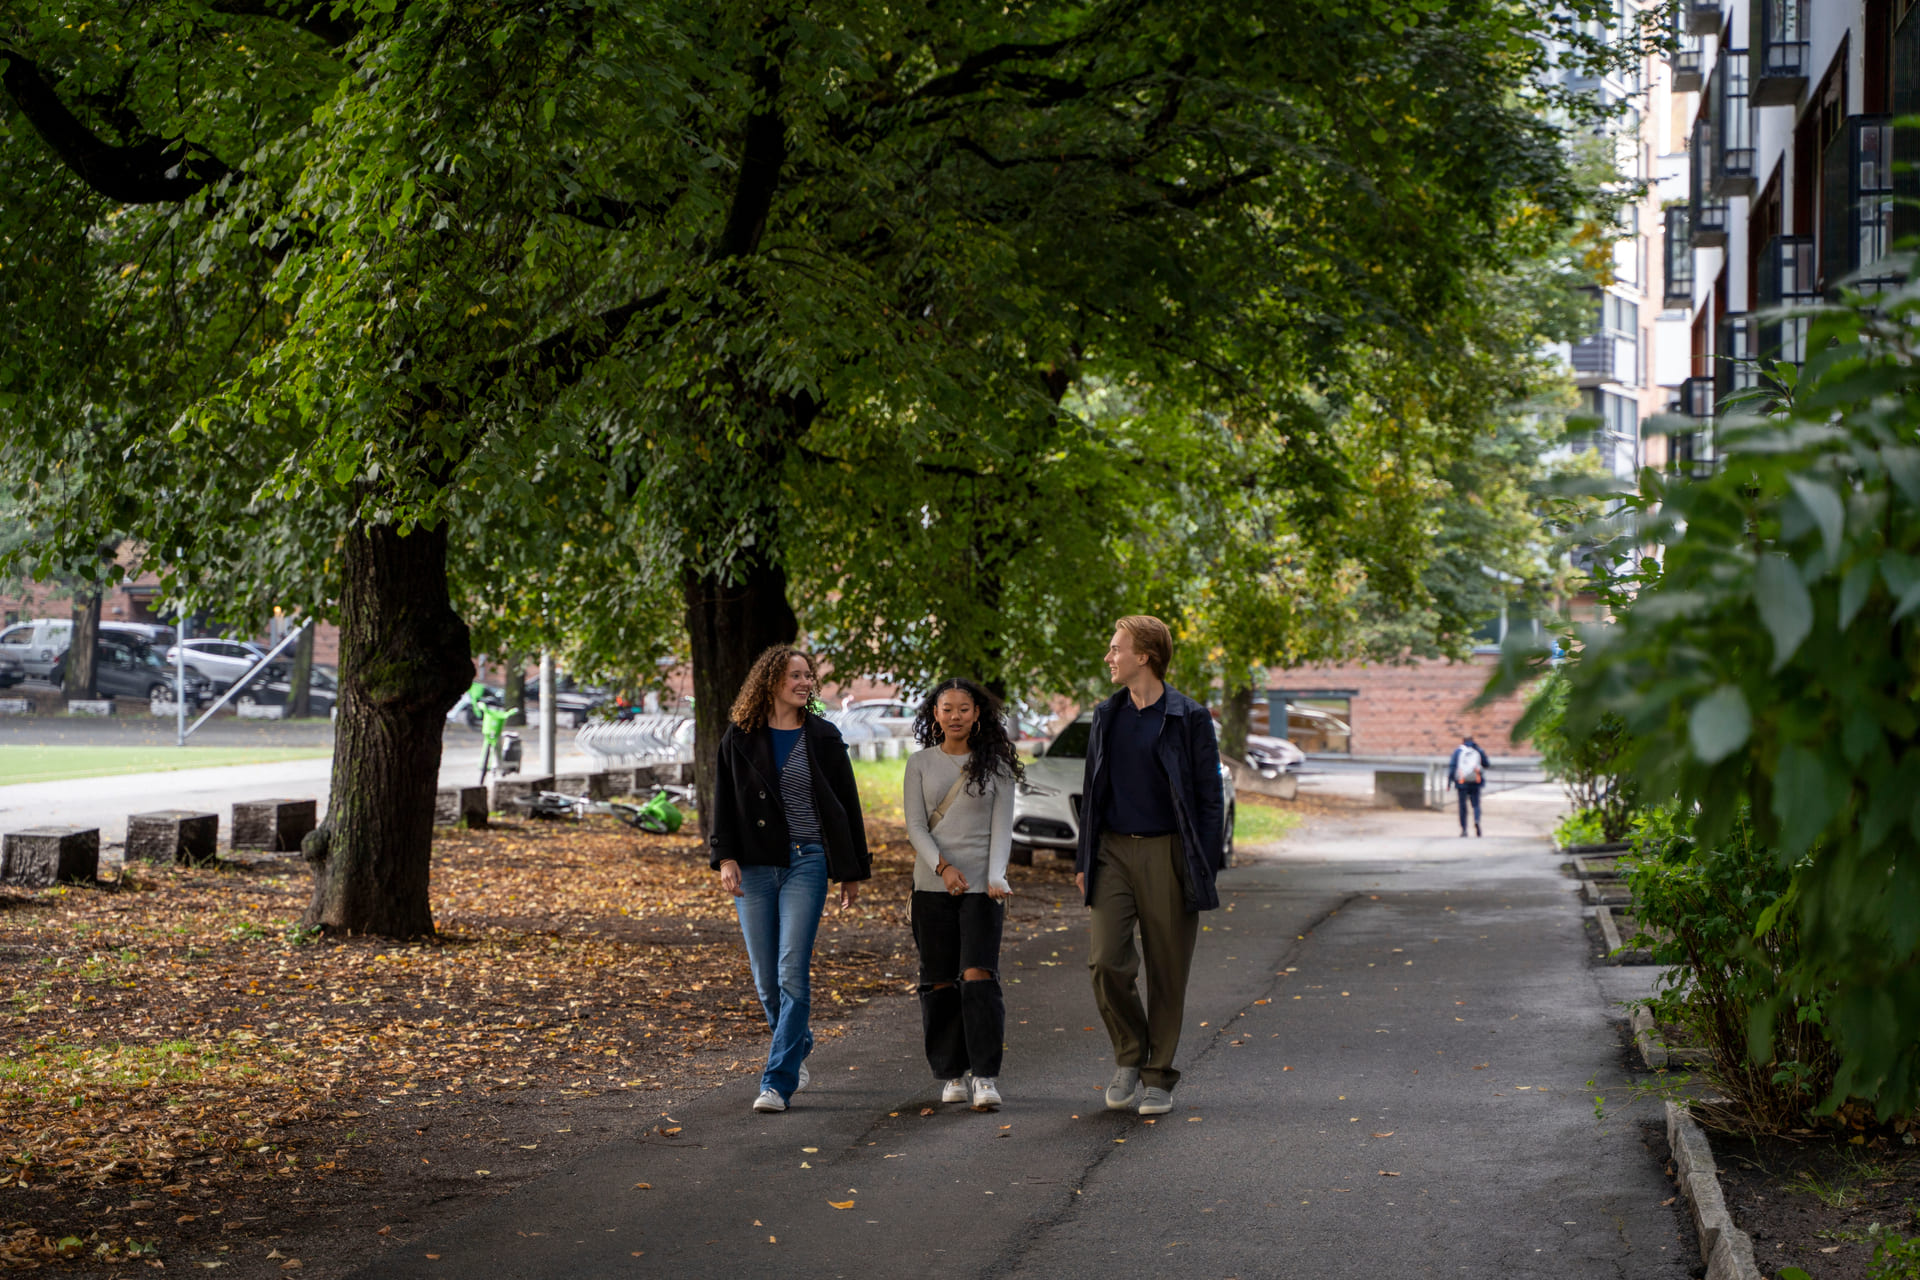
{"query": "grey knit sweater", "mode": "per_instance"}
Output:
(975, 835)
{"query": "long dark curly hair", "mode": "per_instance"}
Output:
(991, 751)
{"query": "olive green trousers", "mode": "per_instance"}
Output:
(1137, 884)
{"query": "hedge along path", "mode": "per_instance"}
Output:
(176, 1030)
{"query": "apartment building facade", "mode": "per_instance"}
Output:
(1791, 177)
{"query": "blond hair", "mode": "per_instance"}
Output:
(1152, 640)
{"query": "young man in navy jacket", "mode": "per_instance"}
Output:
(1150, 846)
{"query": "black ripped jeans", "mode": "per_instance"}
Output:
(965, 1022)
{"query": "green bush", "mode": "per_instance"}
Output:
(1717, 915)
(1895, 1257)
(1589, 759)
(1582, 826)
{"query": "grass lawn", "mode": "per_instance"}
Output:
(49, 764)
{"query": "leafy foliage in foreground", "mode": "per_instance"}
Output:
(1767, 662)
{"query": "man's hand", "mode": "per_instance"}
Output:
(1080, 879)
(849, 894)
(730, 878)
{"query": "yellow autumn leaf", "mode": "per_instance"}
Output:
(840, 1204)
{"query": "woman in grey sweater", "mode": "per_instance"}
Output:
(959, 806)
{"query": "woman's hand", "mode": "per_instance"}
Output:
(955, 882)
(998, 890)
(730, 878)
(849, 894)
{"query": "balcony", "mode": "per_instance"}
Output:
(1606, 357)
(1856, 220)
(1703, 17)
(1734, 366)
(1690, 453)
(1781, 76)
(1696, 397)
(1686, 63)
(1733, 153)
(1706, 216)
(1676, 240)
(1787, 281)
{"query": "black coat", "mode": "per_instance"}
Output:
(1189, 753)
(747, 821)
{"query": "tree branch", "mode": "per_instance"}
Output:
(154, 170)
(316, 17)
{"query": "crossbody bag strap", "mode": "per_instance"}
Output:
(953, 793)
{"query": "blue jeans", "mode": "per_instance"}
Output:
(1469, 794)
(779, 909)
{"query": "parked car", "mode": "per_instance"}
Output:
(1271, 757)
(1316, 729)
(36, 644)
(1046, 805)
(571, 707)
(125, 668)
(275, 688)
(11, 673)
(223, 660)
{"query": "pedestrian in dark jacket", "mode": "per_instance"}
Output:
(1150, 845)
(785, 817)
(1467, 771)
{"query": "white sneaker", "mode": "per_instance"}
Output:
(1125, 1089)
(805, 1076)
(986, 1094)
(954, 1090)
(769, 1101)
(1156, 1102)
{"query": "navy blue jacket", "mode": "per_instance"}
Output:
(1190, 754)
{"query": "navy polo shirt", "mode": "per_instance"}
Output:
(1139, 797)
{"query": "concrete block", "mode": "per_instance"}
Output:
(506, 790)
(90, 706)
(274, 825)
(1399, 789)
(16, 706)
(460, 807)
(172, 836)
(259, 711)
(1732, 1257)
(1709, 1208)
(164, 710)
(619, 781)
(1646, 1039)
(42, 856)
(591, 785)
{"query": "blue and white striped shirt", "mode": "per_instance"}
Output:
(796, 795)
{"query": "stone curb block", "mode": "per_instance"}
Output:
(1652, 1052)
(1727, 1249)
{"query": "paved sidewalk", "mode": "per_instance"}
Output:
(1410, 1099)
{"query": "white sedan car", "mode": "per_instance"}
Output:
(1046, 807)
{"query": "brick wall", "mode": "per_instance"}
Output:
(1419, 709)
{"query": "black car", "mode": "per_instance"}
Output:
(11, 673)
(125, 668)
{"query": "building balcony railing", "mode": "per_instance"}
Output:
(1734, 357)
(1688, 61)
(1676, 242)
(1780, 36)
(1706, 216)
(1733, 150)
(1856, 224)
(1703, 17)
(1696, 397)
(1606, 357)
(1787, 280)
(1690, 453)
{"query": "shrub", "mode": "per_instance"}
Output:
(1590, 760)
(1580, 827)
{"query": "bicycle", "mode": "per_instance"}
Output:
(660, 815)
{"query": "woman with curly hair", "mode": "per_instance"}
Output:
(959, 806)
(785, 818)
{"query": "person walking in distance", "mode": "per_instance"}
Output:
(1467, 772)
(959, 808)
(1150, 846)
(785, 817)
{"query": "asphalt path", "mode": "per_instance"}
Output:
(1391, 1034)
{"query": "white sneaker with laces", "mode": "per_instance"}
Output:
(769, 1101)
(1156, 1102)
(986, 1094)
(1125, 1089)
(954, 1090)
(805, 1076)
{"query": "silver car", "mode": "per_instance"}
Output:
(220, 660)
(36, 644)
(1046, 806)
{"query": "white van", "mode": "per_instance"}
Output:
(36, 644)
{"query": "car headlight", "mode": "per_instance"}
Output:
(1035, 789)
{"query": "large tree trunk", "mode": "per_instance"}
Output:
(513, 689)
(1236, 714)
(404, 662)
(729, 623)
(80, 646)
(300, 679)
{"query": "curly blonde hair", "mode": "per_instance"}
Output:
(754, 704)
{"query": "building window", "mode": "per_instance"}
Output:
(1856, 204)
(1677, 244)
(1733, 125)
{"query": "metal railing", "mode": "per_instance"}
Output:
(1706, 216)
(1780, 35)
(1676, 239)
(1733, 154)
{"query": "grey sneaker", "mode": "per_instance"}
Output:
(769, 1101)
(1124, 1089)
(954, 1090)
(805, 1076)
(1156, 1102)
(986, 1094)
